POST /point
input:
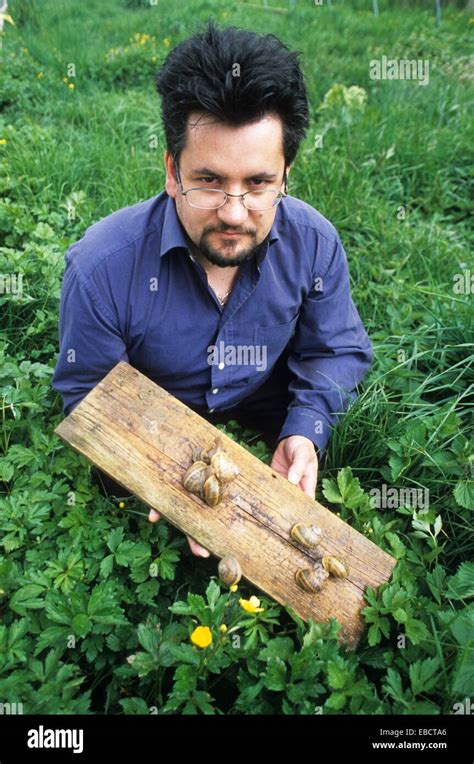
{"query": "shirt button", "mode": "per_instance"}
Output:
(221, 365)
(215, 390)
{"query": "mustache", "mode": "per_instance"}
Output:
(227, 230)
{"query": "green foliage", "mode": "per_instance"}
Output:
(98, 606)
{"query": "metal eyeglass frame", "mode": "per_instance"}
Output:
(242, 196)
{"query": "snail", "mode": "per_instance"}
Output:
(210, 470)
(200, 455)
(311, 579)
(194, 477)
(307, 535)
(225, 469)
(204, 455)
(216, 449)
(211, 490)
(229, 571)
(335, 566)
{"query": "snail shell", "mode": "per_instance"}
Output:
(229, 571)
(205, 454)
(335, 566)
(211, 491)
(225, 469)
(307, 535)
(193, 478)
(200, 455)
(311, 579)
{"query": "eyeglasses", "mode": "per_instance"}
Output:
(213, 198)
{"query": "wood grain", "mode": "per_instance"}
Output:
(142, 437)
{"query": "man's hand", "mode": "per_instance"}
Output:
(195, 548)
(295, 458)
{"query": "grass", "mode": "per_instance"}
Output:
(393, 178)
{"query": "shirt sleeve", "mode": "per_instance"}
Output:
(329, 354)
(89, 339)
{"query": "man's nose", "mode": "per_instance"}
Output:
(233, 212)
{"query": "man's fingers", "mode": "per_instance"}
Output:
(297, 469)
(196, 548)
(308, 484)
(153, 515)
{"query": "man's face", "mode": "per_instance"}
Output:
(235, 159)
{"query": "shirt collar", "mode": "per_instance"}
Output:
(172, 233)
(173, 236)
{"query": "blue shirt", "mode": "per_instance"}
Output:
(133, 291)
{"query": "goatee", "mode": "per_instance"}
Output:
(215, 257)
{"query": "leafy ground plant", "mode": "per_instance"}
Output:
(103, 612)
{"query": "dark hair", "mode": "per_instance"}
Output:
(198, 75)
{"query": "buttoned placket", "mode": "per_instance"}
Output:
(246, 283)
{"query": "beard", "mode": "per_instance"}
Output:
(224, 257)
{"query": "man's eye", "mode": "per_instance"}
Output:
(254, 181)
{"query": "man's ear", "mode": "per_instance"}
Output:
(171, 185)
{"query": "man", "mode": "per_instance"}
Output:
(223, 289)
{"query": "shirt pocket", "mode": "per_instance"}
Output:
(276, 338)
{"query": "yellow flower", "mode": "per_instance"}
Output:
(201, 636)
(40, 74)
(3, 141)
(166, 41)
(71, 85)
(121, 504)
(252, 605)
(153, 58)
(65, 79)
(223, 628)
(233, 588)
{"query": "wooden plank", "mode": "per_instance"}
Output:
(143, 437)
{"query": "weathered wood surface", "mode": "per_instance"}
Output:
(143, 437)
